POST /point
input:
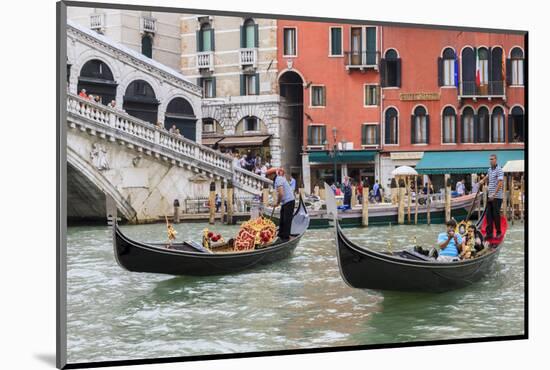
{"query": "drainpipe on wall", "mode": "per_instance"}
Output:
(382, 123)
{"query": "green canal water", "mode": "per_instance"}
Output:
(301, 302)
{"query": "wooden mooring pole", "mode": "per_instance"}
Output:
(212, 203)
(229, 202)
(447, 197)
(365, 202)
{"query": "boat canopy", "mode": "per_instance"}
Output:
(465, 161)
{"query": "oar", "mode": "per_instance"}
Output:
(473, 204)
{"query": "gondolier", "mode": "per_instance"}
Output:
(285, 197)
(495, 178)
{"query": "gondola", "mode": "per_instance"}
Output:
(407, 270)
(190, 258)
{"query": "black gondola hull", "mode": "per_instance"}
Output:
(362, 268)
(183, 259)
(149, 258)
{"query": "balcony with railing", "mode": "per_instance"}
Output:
(362, 60)
(148, 24)
(489, 89)
(97, 22)
(205, 60)
(248, 57)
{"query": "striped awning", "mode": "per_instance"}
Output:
(463, 162)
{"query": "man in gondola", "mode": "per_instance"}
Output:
(285, 197)
(450, 243)
(495, 178)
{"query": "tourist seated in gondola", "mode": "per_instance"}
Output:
(450, 243)
(473, 243)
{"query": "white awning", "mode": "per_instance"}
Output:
(514, 166)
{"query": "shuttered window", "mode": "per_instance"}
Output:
(208, 87)
(497, 125)
(449, 125)
(391, 127)
(318, 96)
(482, 125)
(250, 84)
(369, 134)
(372, 95)
(316, 134)
(336, 41)
(467, 125)
(420, 122)
(289, 42)
(517, 67)
(516, 126)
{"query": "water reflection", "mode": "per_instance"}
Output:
(301, 302)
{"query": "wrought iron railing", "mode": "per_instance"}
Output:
(486, 89)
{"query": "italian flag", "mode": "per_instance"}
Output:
(478, 69)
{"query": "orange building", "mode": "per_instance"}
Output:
(371, 98)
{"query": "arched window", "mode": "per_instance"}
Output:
(210, 126)
(482, 73)
(420, 126)
(482, 126)
(147, 46)
(467, 125)
(180, 116)
(97, 79)
(390, 69)
(468, 75)
(449, 125)
(516, 124)
(391, 127)
(205, 38)
(140, 101)
(249, 34)
(515, 67)
(496, 83)
(447, 68)
(497, 125)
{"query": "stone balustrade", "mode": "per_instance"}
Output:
(248, 56)
(205, 158)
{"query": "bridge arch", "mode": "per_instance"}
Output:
(97, 179)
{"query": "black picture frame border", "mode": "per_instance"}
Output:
(61, 189)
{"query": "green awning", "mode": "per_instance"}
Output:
(343, 156)
(466, 161)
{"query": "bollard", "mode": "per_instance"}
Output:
(394, 191)
(401, 202)
(212, 203)
(229, 202)
(447, 197)
(365, 203)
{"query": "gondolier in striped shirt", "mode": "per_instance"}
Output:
(495, 178)
(285, 197)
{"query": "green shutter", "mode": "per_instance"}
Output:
(213, 87)
(324, 90)
(427, 128)
(199, 41)
(383, 72)
(256, 36)
(257, 81)
(212, 39)
(371, 45)
(377, 135)
(309, 135)
(243, 89)
(336, 41)
(440, 67)
(323, 134)
(243, 37)
(398, 77)
(363, 134)
(413, 139)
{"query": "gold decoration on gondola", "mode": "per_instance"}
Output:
(462, 227)
(170, 231)
(255, 233)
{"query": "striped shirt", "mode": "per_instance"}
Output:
(495, 175)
